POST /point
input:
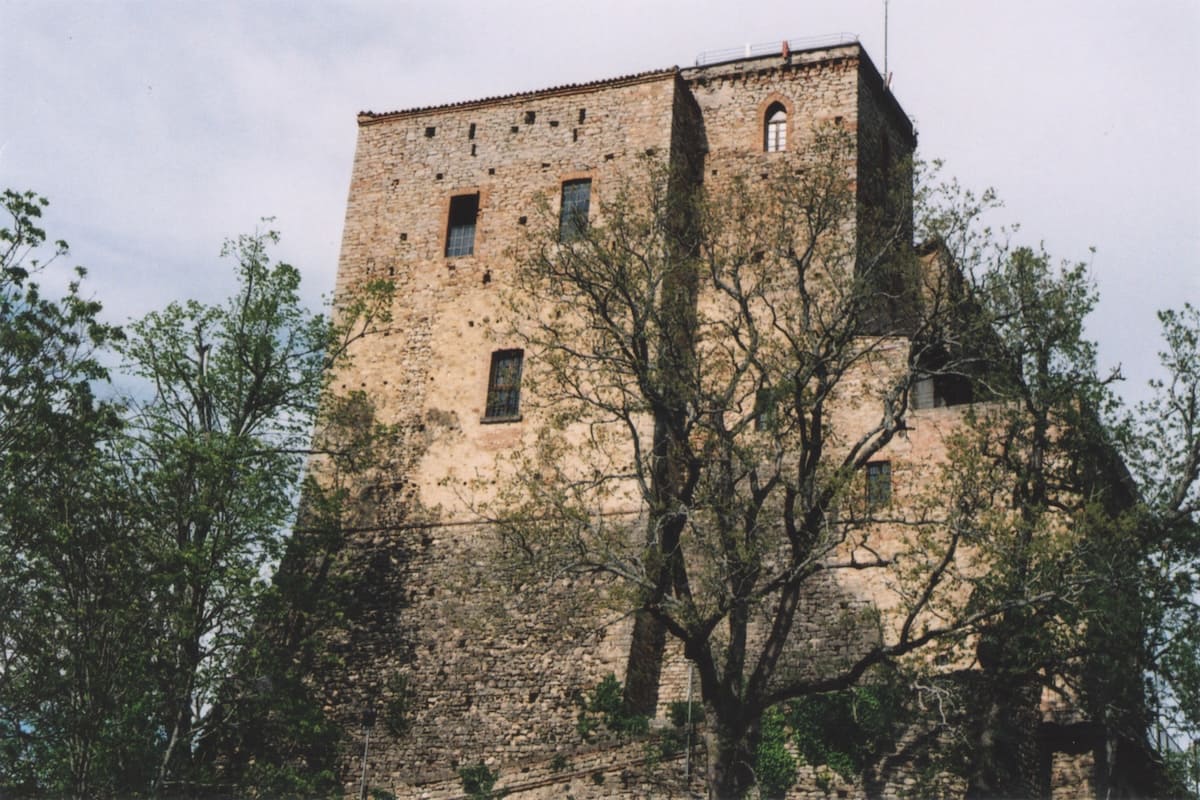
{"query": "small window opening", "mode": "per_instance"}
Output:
(879, 483)
(430, 131)
(460, 232)
(530, 116)
(573, 215)
(553, 123)
(582, 115)
(775, 139)
(472, 149)
(504, 385)
(471, 131)
(940, 390)
(574, 134)
(514, 129)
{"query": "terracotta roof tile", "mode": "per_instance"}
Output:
(568, 88)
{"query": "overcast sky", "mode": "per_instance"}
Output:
(157, 129)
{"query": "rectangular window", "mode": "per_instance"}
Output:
(460, 233)
(879, 483)
(504, 385)
(573, 218)
(940, 391)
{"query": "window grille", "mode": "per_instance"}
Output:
(776, 132)
(460, 233)
(879, 483)
(504, 385)
(573, 218)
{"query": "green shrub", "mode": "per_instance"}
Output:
(478, 782)
(774, 766)
(678, 713)
(606, 706)
(846, 730)
(397, 707)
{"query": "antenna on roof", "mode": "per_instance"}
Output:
(886, 75)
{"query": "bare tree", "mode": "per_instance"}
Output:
(726, 365)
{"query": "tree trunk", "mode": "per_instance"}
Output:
(730, 756)
(1004, 756)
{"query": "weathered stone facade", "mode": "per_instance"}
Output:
(495, 678)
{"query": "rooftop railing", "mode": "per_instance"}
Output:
(772, 48)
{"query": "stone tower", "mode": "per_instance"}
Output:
(440, 200)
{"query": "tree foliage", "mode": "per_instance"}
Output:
(1164, 455)
(139, 537)
(65, 623)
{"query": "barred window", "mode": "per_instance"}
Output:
(775, 134)
(573, 218)
(879, 483)
(504, 385)
(460, 232)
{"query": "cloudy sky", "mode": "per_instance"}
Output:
(157, 129)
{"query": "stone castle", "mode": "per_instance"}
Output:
(442, 200)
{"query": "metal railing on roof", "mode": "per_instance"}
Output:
(771, 48)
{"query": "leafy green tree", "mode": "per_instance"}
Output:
(137, 540)
(68, 553)
(214, 457)
(271, 735)
(1164, 455)
(1037, 489)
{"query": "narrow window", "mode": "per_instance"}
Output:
(776, 129)
(879, 483)
(573, 217)
(460, 233)
(504, 385)
(471, 131)
(765, 415)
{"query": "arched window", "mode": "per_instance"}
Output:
(775, 140)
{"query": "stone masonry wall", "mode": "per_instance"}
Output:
(487, 676)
